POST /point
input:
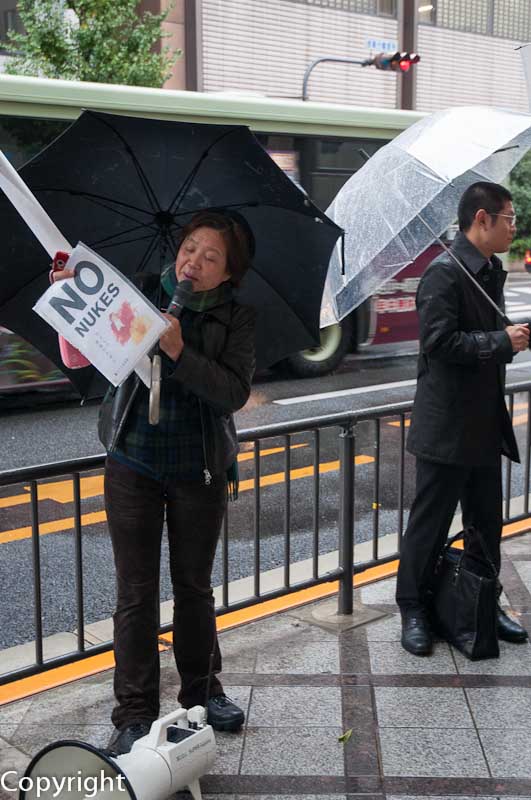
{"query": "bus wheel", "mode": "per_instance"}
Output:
(336, 342)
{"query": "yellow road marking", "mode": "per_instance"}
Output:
(55, 526)
(66, 524)
(63, 491)
(60, 491)
(14, 500)
(249, 455)
(302, 472)
(92, 665)
(519, 419)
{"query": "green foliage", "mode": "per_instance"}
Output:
(105, 41)
(519, 246)
(521, 191)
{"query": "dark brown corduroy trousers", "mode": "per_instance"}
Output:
(136, 506)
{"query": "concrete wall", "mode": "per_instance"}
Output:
(266, 46)
(466, 68)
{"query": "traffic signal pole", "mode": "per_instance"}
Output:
(408, 27)
(312, 66)
(401, 61)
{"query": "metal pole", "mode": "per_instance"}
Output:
(347, 442)
(407, 26)
(37, 581)
(78, 542)
(310, 68)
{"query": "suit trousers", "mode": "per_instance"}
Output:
(136, 506)
(438, 490)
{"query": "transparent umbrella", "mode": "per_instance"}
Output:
(408, 192)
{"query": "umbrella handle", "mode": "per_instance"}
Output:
(154, 391)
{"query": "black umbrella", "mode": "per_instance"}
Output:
(126, 185)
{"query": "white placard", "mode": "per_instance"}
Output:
(102, 314)
(45, 230)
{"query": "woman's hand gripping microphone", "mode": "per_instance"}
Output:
(171, 343)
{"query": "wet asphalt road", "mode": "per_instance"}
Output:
(64, 431)
(38, 430)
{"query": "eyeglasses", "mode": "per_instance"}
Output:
(512, 217)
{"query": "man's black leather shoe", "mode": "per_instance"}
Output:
(509, 630)
(122, 740)
(223, 714)
(416, 634)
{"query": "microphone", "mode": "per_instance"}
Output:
(175, 308)
(176, 305)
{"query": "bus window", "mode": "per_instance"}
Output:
(327, 164)
(344, 154)
(21, 138)
(325, 186)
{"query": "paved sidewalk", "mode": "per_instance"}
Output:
(440, 726)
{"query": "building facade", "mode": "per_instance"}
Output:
(467, 47)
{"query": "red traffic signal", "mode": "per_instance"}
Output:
(398, 62)
(527, 258)
(407, 59)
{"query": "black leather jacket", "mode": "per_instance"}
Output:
(220, 376)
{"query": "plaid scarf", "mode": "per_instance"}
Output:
(196, 301)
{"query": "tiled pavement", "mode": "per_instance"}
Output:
(435, 727)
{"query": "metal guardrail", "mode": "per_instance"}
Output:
(348, 424)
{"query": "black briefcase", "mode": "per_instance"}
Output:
(463, 604)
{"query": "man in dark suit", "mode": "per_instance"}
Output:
(460, 426)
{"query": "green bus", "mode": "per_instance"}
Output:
(319, 146)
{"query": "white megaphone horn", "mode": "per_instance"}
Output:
(178, 749)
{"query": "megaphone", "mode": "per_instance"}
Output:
(178, 749)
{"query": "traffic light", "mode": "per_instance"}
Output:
(398, 62)
(406, 60)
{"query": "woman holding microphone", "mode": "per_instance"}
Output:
(180, 471)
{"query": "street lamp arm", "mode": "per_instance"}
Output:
(328, 58)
